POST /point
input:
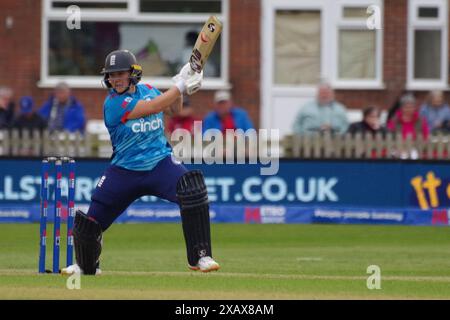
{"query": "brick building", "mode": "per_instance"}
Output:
(272, 53)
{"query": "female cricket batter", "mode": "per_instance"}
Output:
(142, 164)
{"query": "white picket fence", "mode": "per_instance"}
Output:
(359, 146)
(324, 146)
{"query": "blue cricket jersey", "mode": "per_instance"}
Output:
(138, 144)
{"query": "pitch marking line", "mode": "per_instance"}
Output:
(28, 272)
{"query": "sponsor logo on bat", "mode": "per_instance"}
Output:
(195, 60)
(211, 27)
(203, 37)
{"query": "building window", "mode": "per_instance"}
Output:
(359, 49)
(161, 49)
(327, 40)
(63, 4)
(160, 33)
(360, 61)
(183, 6)
(427, 54)
(427, 44)
(297, 47)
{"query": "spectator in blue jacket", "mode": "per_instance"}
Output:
(62, 111)
(436, 111)
(226, 116)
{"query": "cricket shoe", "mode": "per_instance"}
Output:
(75, 269)
(205, 264)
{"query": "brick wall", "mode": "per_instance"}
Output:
(245, 44)
(394, 62)
(20, 53)
(20, 47)
(20, 58)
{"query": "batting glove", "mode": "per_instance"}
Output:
(194, 83)
(188, 80)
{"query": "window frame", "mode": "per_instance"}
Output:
(428, 24)
(331, 16)
(131, 14)
(342, 23)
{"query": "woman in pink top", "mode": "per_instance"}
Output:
(407, 119)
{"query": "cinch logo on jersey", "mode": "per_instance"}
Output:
(145, 126)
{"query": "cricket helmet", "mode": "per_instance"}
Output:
(122, 60)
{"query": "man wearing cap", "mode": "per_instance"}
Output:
(226, 116)
(62, 111)
(28, 119)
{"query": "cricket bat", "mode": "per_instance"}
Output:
(205, 43)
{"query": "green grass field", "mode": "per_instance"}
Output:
(147, 261)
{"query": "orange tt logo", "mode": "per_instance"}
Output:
(431, 185)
